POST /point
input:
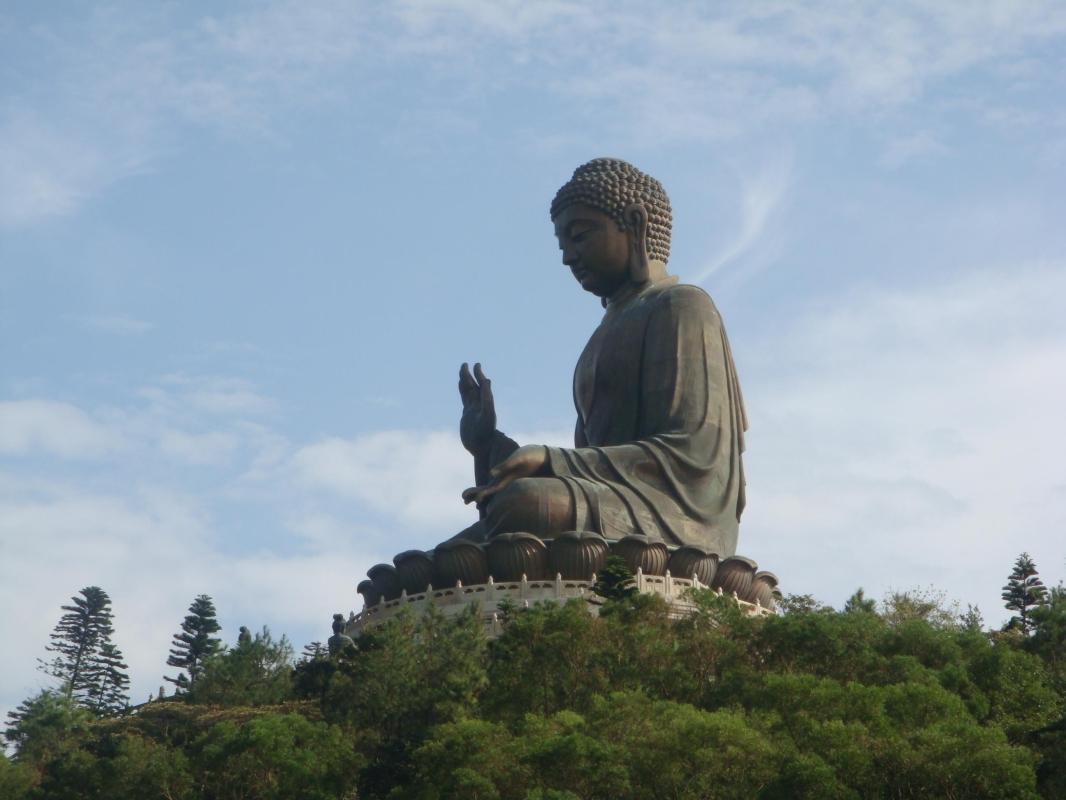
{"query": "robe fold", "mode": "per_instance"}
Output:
(661, 421)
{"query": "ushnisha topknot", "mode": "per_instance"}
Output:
(609, 185)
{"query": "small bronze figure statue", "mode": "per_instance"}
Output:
(339, 642)
(244, 637)
(660, 418)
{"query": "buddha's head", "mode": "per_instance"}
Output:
(611, 221)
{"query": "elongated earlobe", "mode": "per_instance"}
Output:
(636, 219)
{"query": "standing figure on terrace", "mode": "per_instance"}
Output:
(660, 417)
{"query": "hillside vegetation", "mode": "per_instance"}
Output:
(905, 701)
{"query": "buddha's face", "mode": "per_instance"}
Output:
(596, 251)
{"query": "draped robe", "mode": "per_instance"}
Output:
(660, 427)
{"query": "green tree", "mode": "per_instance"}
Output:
(15, 779)
(928, 605)
(408, 676)
(122, 766)
(859, 602)
(194, 644)
(313, 672)
(79, 640)
(549, 658)
(614, 581)
(277, 757)
(1048, 639)
(1023, 592)
(110, 692)
(255, 673)
(44, 725)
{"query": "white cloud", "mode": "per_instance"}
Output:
(214, 447)
(761, 195)
(212, 394)
(152, 550)
(901, 150)
(30, 427)
(45, 172)
(912, 437)
(683, 73)
(413, 476)
(117, 323)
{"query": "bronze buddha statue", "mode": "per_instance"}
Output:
(660, 417)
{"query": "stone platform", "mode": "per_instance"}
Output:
(524, 569)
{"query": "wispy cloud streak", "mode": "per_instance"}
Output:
(761, 195)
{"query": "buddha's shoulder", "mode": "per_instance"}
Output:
(686, 299)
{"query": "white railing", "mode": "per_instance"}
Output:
(524, 593)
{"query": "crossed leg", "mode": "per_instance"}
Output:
(543, 506)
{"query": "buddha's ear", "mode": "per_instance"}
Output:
(636, 220)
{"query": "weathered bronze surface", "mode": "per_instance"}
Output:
(660, 418)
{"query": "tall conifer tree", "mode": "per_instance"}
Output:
(78, 641)
(194, 644)
(111, 695)
(1023, 592)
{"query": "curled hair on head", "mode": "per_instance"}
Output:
(610, 185)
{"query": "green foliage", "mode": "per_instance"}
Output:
(15, 779)
(255, 673)
(614, 581)
(313, 673)
(1048, 638)
(927, 605)
(121, 767)
(549, 658)
(859, 602)
(410, 675)
(110, 692)
(905, 702)
(796, 603)
(89, 667)
(194, 644)
(45, 725)
(277, 757)
(1023, 593)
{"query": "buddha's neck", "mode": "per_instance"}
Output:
(656, 273)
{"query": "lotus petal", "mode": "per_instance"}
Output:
(512, 555)
(415, 568)
(385, 580)
(576, 555)
(650, 557)
(690, 560)
(370, 593)
(763, 587)
(735, 574)
(459, 560)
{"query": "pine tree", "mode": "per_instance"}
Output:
(614, 581)
(194, 644)
(860, 603)
(112, 681)
(77, 641)
(314, 650)
(1023, 592)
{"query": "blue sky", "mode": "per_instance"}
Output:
(244, 248)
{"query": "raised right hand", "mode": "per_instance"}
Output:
(479, 410)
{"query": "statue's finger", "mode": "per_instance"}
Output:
(467, 386)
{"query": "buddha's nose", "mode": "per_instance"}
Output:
(569, 257)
